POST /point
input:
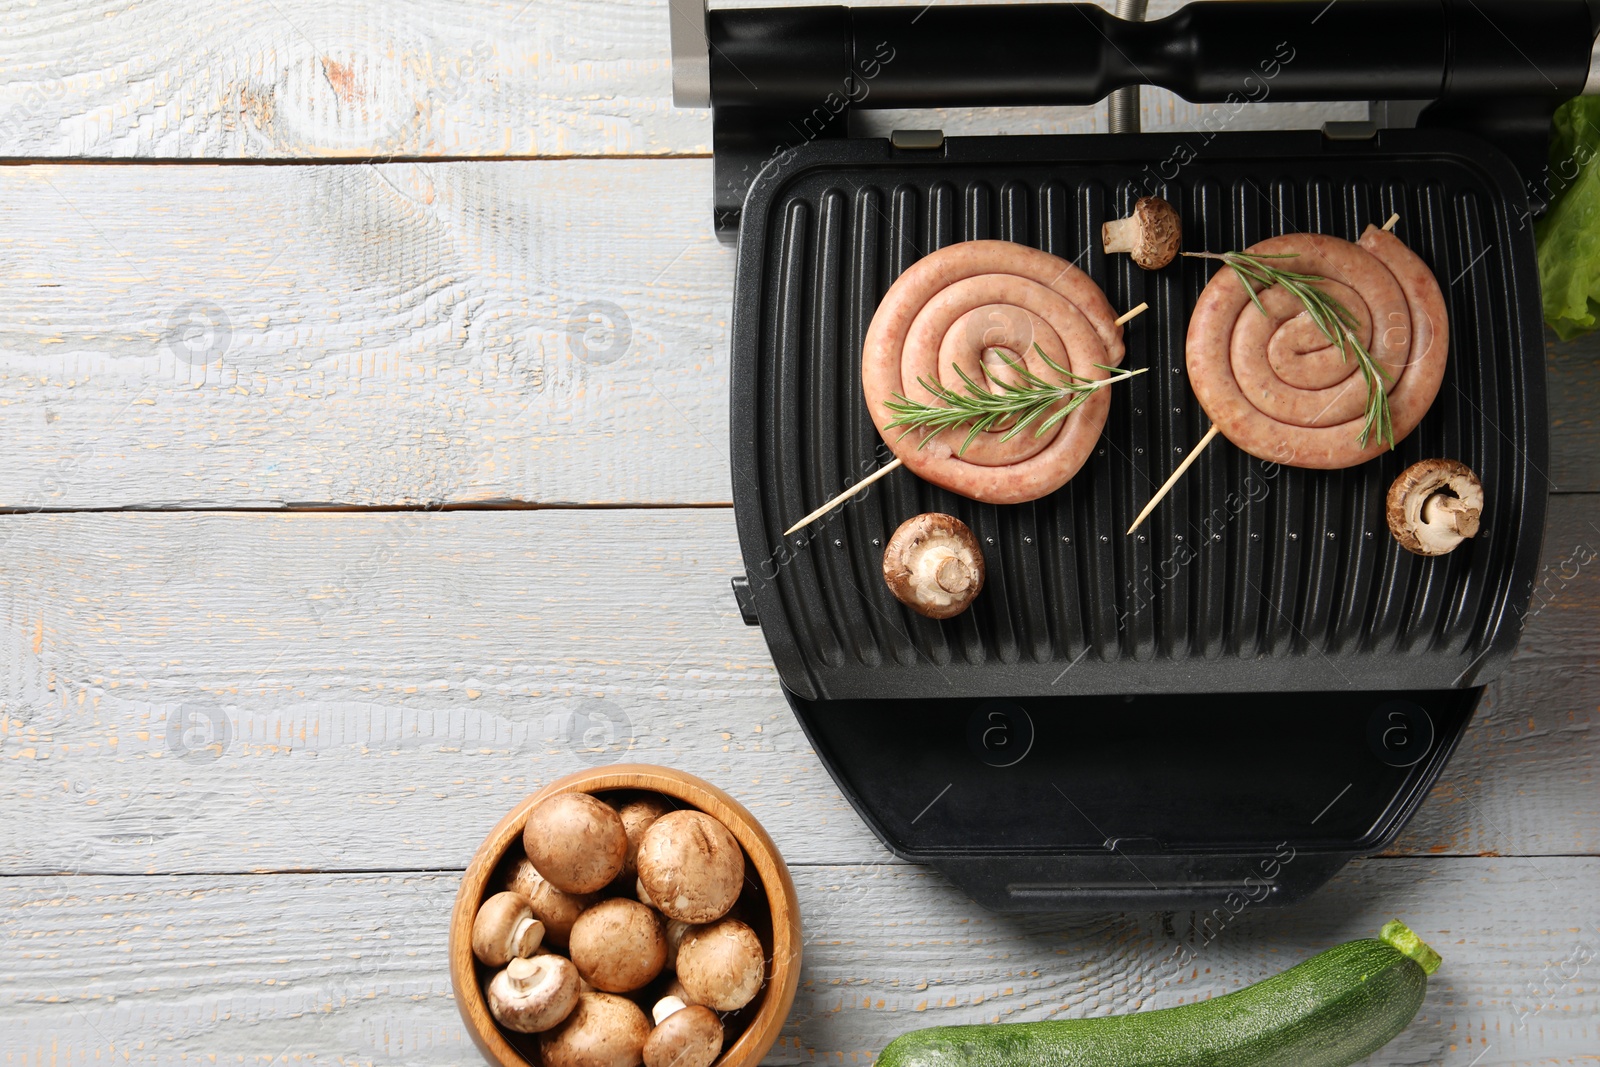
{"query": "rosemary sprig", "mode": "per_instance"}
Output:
(1332, 318)
(1025, 401)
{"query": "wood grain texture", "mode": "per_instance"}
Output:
(406, 334)
(192, 702)
(298, 79)
(200, 692)
(400, 334)
(1574, 377)
(157, 970)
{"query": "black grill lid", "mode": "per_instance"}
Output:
(1249, 577)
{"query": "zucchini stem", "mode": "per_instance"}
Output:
(1405, 941)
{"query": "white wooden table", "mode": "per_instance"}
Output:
(335, 516)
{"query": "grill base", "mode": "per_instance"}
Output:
(1217, 693)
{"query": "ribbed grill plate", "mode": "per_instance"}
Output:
(1249, 577)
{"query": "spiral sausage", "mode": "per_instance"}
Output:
(954, 308)
(1279, 390)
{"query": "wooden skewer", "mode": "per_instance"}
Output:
(1133, 313)
(894, 464)
(1166, 486)
(897, 463)
(1392, 220)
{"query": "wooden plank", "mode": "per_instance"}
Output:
(405, 334)
(203, 692)
(1574, 377)
(251, 969)
(297, 79)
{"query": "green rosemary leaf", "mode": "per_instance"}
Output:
(1023, 402)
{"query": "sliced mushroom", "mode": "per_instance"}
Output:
(602, 1031)
(691, 866)
(576, 841)
(1151, 235)
(637, 814)
(532, 995)
(557, 910)
(505, 929)
(721, 965)
(933, 565)
(685, 1036)
(618, 945)
(1435, 505)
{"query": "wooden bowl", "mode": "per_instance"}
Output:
(779, 928)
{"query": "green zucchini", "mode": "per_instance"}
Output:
(1332, 1010)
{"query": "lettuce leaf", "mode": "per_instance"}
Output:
(1569, 233)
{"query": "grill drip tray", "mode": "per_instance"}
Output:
(1160, 802)
(1198, 692)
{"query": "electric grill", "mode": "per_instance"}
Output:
(1260, 684)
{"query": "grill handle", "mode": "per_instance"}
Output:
(1208, 52)
(1217, 886)
(778, 78)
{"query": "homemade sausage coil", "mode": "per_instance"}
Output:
(975, 308)
(1276, 386)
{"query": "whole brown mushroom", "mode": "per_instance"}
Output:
(1151, 235)
(576, 841)
(557, 910)
(604, 1030)
(533, 995)
(933, 565)
(691, 866)
(721, 965)
(1434, 505)
(618, 945)
(685, 1035)
(505, 929)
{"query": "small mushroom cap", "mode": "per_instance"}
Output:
(1152, 235)
(933, 565)
(691, 866)
(618, 945)
(603, 1031)
(557, 910)
(721, 965)
(576, 841)
(533, 995)
(674, 932)
(688, 1037)
(505, 929)
(637, 814)
(1434, 505)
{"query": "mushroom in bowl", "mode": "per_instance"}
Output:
(763, 901)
